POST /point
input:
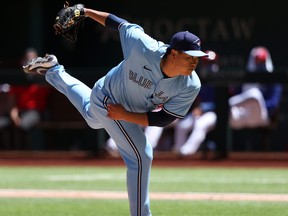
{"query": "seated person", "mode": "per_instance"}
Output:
(256, 104)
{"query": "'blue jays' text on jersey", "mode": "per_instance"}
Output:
(138, 83)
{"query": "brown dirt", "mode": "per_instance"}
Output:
(160, 159)
(73, 194)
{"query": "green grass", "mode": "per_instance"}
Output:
(241, 180)
(66, 207)
(214, 180)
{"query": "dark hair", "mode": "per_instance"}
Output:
(168, 51)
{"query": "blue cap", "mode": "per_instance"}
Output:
(188, 43)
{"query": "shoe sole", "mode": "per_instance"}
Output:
(50, 62)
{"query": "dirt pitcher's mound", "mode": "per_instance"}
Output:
(21, 193)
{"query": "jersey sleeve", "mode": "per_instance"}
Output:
(132, 35)
(179, 105)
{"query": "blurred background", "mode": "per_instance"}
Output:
(230, 28)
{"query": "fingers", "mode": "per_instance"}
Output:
(115, 111)
(111, 111)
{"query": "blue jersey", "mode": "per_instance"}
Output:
(138, 84)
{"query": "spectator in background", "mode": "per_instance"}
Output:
(191, 132)
(256, 105)
(5, 121)
(5, 105)
(29, 103)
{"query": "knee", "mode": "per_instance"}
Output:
(147, 157)
(92, 124)
(146, 153)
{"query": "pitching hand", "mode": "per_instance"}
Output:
(116, 111)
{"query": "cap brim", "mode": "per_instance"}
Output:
(196, 53)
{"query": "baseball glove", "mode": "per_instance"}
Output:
(68, 20)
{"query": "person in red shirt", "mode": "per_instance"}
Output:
(29, 105)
